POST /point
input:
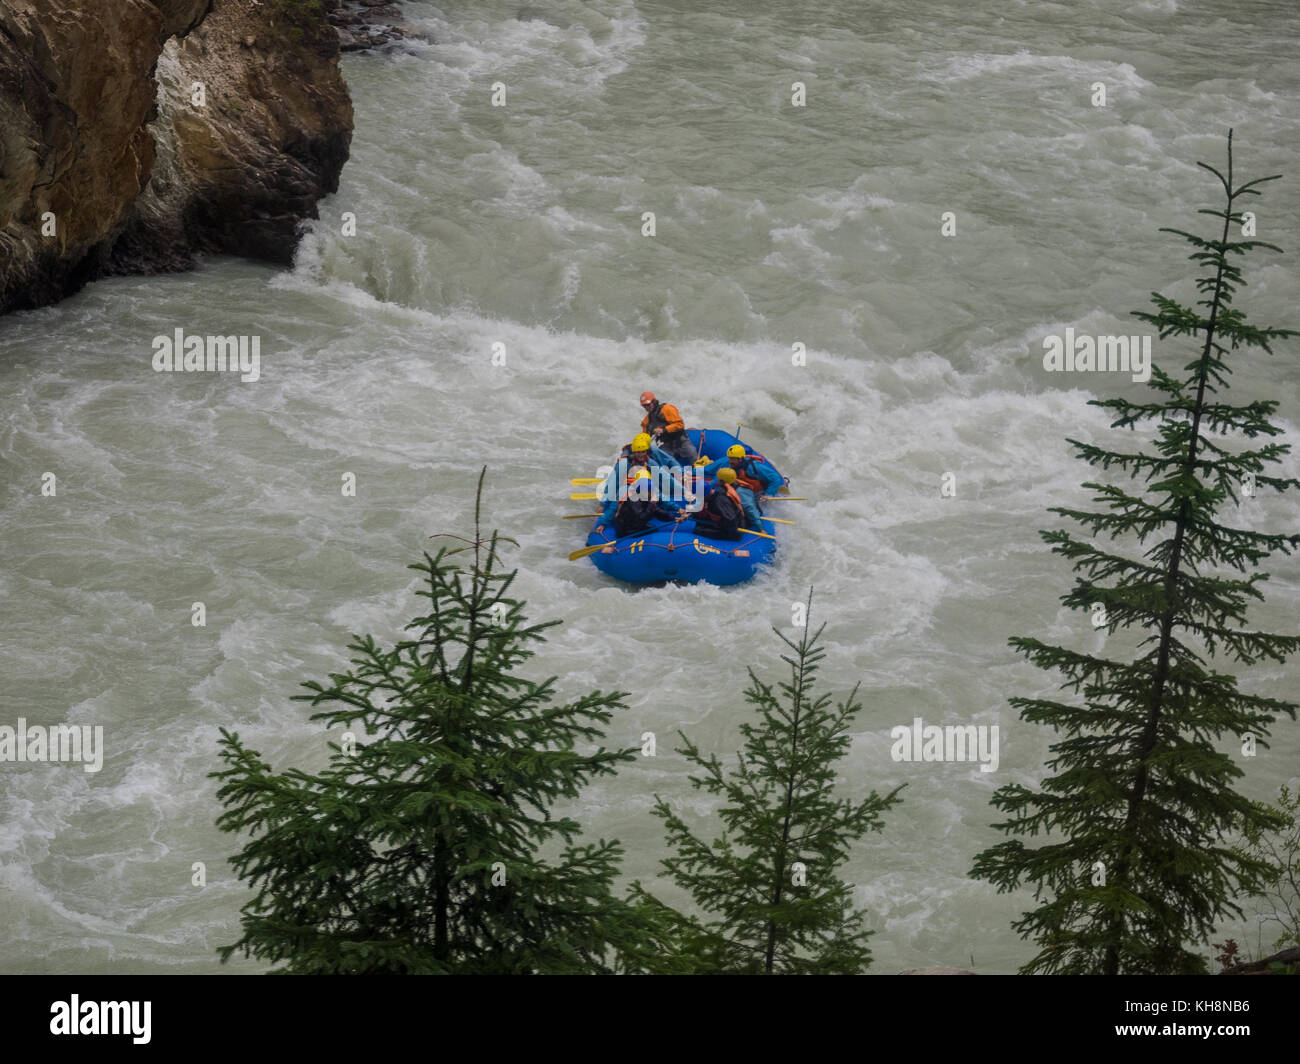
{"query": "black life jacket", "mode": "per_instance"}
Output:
(633, 515)
(655, 418)
(722, 507)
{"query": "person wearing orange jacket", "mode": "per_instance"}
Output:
(665, 424)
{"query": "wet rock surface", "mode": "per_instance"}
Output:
(366, 24)
(136, 134)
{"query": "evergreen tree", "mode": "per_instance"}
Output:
(767, 887)
(1142, 799)
(417, 852)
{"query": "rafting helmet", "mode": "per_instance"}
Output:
(641, 442)
(727, 475)
(647, 398)
(736, 450)
(641, 474)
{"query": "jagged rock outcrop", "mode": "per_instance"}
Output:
(180, 16)
(135, 134)
(65, 67)
(254, 126)
(365, 24)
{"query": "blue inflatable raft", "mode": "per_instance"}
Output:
(674, 551)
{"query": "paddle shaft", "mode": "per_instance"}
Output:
(584, 551)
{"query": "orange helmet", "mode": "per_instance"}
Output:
(647, 398)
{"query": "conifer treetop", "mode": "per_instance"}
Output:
(419, 850)
(1133, 873)
(770, 899)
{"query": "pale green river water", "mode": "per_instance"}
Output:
(521, 225)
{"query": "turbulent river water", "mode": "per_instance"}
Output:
(521, 225)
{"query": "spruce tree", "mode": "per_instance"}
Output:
(1136, 868)
(770, 899)
(417, 851)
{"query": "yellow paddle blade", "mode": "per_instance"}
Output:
(583, 495)
(752, 532)
(585, 551)
(778, 520)
(587, 480)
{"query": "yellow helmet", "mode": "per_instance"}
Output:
(736, 450)
(727, 475)
(641, 442)
(641, 474)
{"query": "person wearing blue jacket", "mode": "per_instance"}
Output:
(641, 454)
(753, 515)
(754, 477)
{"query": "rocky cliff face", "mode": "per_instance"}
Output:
(137, 133)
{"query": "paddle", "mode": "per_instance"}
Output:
(752, 532)
(584, 551)
(778, 520)
(578, 517)
(588, 480)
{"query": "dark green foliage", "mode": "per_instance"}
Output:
(385, 861)
(779, 808)
(1141, 792)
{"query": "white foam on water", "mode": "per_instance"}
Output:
(964, 67)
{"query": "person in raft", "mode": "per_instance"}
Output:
(637, 508)
(719, 518)
(644, 445)
(640, 454)
(754, 479)
(665, 424)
